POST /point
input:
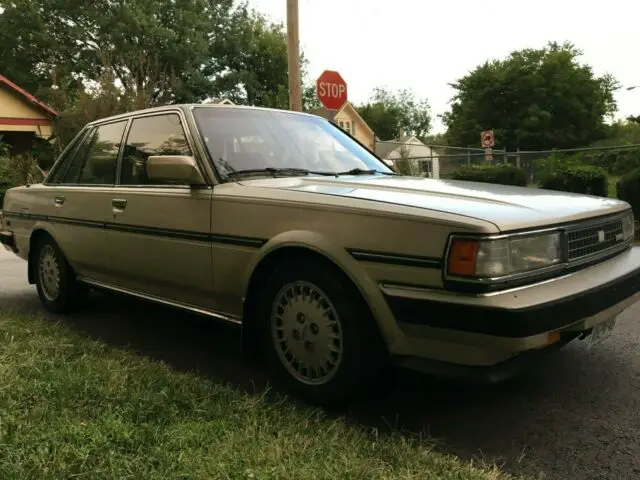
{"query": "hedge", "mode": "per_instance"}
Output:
(585, 179)
(501, 174)
(628, 188)
(616, 162)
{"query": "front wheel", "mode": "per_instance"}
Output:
(319, 334)
(58, 289)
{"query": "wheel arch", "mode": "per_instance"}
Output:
(298, 246)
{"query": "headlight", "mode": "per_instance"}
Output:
(502, 257)
(628, 226)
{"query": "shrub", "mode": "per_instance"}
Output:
(616, 162)
(573, 178)
(501, 174)
(628, 188)
(19, 170)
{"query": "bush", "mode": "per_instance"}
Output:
(615, 162)
(19, 170)
(501, 174)
(628, 188)
(572, 178)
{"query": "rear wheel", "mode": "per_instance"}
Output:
(55, 280)
(319, 335)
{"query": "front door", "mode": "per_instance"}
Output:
(159, 234)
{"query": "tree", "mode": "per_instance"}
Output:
(158, 51)
(534, 99)
(435, 139)
(387, 113)
(254, 55)
(101, 100)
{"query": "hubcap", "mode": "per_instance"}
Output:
(49, 273)
(307, 333)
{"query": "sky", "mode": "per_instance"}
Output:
(424, 45)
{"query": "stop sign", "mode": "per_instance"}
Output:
(332, 90)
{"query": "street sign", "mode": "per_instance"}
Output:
(487, 139)
(332, 90)
(488, 154)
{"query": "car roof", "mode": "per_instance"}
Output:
(188, 106)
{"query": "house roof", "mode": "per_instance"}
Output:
(324, 113)
(30, 98)
(385, 148)
(219, 101)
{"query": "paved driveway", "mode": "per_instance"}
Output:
(576, 417)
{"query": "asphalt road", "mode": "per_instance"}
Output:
(575, 417)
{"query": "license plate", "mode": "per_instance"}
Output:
(601, 332)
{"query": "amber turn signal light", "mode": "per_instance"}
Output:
(462, 258)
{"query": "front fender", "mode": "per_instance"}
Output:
(325, 246)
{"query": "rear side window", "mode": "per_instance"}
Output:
(156, 135)
(96, 161)
(61, 167)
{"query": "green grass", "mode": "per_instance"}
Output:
(71, 407)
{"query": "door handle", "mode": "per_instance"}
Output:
(119, 203)
(59, 200)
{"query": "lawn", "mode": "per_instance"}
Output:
(71, 407)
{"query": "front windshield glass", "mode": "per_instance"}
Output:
(240, 139)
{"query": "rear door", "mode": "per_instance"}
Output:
(78, 198)
(160, 233)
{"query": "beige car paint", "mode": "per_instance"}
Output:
(174, 268)
(327, 215)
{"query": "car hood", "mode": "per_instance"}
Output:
(508, 208)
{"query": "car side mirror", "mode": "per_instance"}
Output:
(181, 169)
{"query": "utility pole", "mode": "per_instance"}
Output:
(293, 52)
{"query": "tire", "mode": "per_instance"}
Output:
(346, 352)
(58, 289)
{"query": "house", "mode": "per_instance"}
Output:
(23, 117)
(350, 121)
(422, 159)
(218, 101)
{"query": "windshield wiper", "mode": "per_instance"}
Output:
(360, 171)
(271, 171)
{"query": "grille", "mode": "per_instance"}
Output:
(585, 241)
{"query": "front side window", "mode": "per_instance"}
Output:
(96, 162)
(244, 139)
(156, 135)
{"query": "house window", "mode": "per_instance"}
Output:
(347, 127)
(341, 124)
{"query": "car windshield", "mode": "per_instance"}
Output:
(254, 141)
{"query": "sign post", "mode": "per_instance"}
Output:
(293, 56)
(487, 141)
(331, 90)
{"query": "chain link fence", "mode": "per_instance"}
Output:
(616, 160)
(437, 161)
(413, 157)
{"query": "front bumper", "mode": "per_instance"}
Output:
(485, 330)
